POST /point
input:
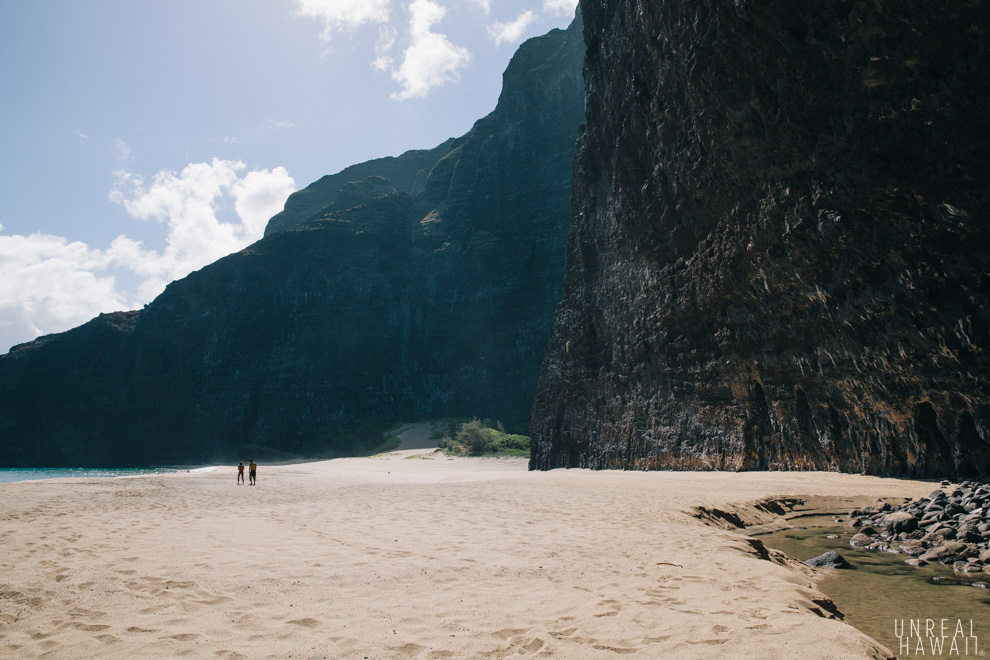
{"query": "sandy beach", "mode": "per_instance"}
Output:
(412, 555)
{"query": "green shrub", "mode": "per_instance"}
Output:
(476, 438)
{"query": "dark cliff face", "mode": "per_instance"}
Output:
(779, 254)
(384, 305)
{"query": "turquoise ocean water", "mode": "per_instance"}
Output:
(10, 475)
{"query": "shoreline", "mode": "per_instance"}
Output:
(388, 557)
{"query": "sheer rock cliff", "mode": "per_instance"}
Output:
(404, 288)
(778, 256)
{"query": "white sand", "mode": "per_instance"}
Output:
(411, 555)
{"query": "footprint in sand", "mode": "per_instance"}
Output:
(614, 649)
(88, 627)
(306, 623)
(410, 649)
(506, 633)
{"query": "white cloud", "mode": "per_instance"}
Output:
(386, 39)
(48, 284)
(486, 5)
(188, 202)
(560, 7)
(121, 150)
(344, 15)
(230, 140)
(279, 123)
(430, 59)
(510, 33)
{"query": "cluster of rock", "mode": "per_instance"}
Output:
(952, 529)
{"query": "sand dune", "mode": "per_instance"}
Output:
(410, 555)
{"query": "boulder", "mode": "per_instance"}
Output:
(900, 522)
(861, 540)
(830, 559)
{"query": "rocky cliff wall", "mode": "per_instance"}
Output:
(779, 253)
(398, 308)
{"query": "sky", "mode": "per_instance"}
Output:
(144, 140)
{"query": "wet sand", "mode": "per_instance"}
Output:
(412, 555)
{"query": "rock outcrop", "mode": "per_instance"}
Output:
(778, 253)
(364, 300)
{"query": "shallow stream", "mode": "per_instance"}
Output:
(882, 596)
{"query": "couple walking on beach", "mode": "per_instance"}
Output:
(252, 472)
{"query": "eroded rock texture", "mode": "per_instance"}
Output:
(779, 247)
(383, 304)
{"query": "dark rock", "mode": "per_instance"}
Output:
(830, 559)
(953, 509)
(777, 257)
(941, 534)
(861, 540)
(913, 547)
(949, 552)
(855, 522)
(967, 567)
(399, 308)
(900, 522)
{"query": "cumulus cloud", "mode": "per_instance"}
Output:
(430, 59)
(560, 7)
(511, 32)
(48, 284)
(188, 202)
(344, 15)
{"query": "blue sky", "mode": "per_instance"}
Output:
(143, 140)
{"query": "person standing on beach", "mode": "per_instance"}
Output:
(253, 472)
(240, 473)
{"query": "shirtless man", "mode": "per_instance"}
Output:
(253, 472)
(240, 473)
